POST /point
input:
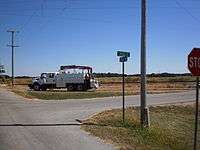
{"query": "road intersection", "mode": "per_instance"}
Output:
(51, 124)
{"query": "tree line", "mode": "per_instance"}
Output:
(109, 74)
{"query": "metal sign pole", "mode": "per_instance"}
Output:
(123, 98)
(123, 58)
(196, 113)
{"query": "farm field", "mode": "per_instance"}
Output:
(109, 86)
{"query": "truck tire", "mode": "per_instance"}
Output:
(43, 88)
(36, 86)
(70, 87)
(80, 87)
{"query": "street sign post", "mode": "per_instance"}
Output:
(194, 68)
(123, 58)
(123, 54)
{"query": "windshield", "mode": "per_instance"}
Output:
(43, 75)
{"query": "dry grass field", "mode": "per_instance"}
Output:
(151, 87)
(109, 86)
(171, 128)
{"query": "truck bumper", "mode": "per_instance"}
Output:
(30, 86)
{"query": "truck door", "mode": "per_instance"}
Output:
(50, 78)
(60, 83)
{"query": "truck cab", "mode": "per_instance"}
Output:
(44, 81)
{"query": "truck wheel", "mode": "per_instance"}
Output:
(43, 88)
(36, 87)
(80, 87)
(70, 88)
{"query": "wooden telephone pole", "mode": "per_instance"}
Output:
(144, 109)
(12, 46)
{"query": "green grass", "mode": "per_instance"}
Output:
(60, 95)
(171, 128)
(52, 95)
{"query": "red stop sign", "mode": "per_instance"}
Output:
(194, 61)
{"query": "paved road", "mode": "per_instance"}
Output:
(50, 125)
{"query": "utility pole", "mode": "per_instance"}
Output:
(144, 109)
(12, 46)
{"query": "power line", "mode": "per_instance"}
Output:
(98, 8)
(24, 1)
(78, 8)
(16, 15)
(28, 21)
(187, 11)
(49, 20)
(30, 17)
(43, 4)
(66, 5)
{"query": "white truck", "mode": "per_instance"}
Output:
(74, 78)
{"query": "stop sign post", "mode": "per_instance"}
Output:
(194, 68)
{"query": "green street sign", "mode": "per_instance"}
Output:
(123, 54)
(123, 59)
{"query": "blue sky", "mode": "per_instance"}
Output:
(89, 32)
